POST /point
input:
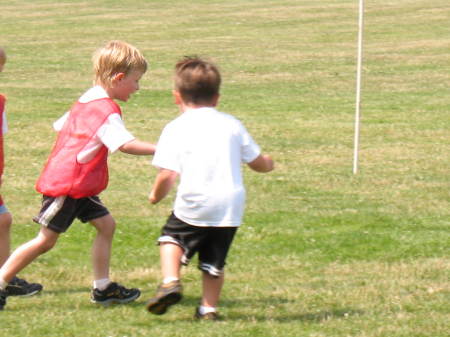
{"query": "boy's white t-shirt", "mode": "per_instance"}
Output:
(207, 148)
(112, 133)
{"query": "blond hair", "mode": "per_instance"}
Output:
(116, 57)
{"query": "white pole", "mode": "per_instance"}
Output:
(358, 86)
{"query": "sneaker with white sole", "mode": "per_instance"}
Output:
(20, 287)
(114, 293)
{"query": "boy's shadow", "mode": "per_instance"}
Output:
(277, 313)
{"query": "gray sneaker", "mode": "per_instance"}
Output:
(166, 295)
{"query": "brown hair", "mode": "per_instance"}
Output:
(196, 80)
(116, 57)
(2, 56)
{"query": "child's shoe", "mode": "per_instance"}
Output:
(209, 316)
(3, 296)
(114, 293)
(20, 287)
(166, 295)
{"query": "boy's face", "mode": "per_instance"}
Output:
(126, 85)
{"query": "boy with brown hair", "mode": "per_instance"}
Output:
(17, 286)
(76, 171)
(205, 148)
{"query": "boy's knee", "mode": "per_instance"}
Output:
(106, 225)
(46, 245)
(46, 240)
(5, 222)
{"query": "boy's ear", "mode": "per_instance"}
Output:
(177, 96)
(118, 76)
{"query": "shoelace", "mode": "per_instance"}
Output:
(122, 289)
(19, 281)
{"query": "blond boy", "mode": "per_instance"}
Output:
(76, 171)
(205, 148)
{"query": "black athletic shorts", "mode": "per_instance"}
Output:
(211, 243)
(58, 213)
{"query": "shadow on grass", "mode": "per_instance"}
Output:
(66, 291)
(86, 295)
(274, 309)
(313, 317)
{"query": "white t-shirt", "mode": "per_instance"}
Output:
(112, 133)
(207, 148)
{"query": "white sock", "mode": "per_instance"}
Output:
(101, 284)
(170, 279)
(204, 310)
(3, 283)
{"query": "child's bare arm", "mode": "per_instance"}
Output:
(163, 183)
(138, 147)
(263, 163)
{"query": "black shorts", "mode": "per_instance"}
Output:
(211, 243)
(58, 213)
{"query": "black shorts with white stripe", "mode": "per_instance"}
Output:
(211, 243)
(58, 213)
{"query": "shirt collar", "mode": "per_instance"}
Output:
(96, 92)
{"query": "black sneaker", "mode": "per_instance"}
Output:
(166, 295)
(3, 296)
(114, 293)
(20, 287)
(210, 316)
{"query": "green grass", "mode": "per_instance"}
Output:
(322, 252)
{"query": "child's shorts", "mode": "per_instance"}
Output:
(3, 209)
(58, 213)
(211, 243)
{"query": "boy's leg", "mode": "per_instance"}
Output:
(170, 256)
(170, 291)
(212, 286)
(110, 292)
(212, 258)
(17, 286)
(26, 253)
(5, 227)
(101, 247)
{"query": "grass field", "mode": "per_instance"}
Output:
(322, 252)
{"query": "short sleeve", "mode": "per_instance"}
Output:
(249, 149)
(58, 124)
(113, 133)
(166, 155)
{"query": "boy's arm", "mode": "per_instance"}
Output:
(263, 163)
(163, 183)
(138, 147)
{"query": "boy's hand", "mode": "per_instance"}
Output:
(262, 163)
(163, 183)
